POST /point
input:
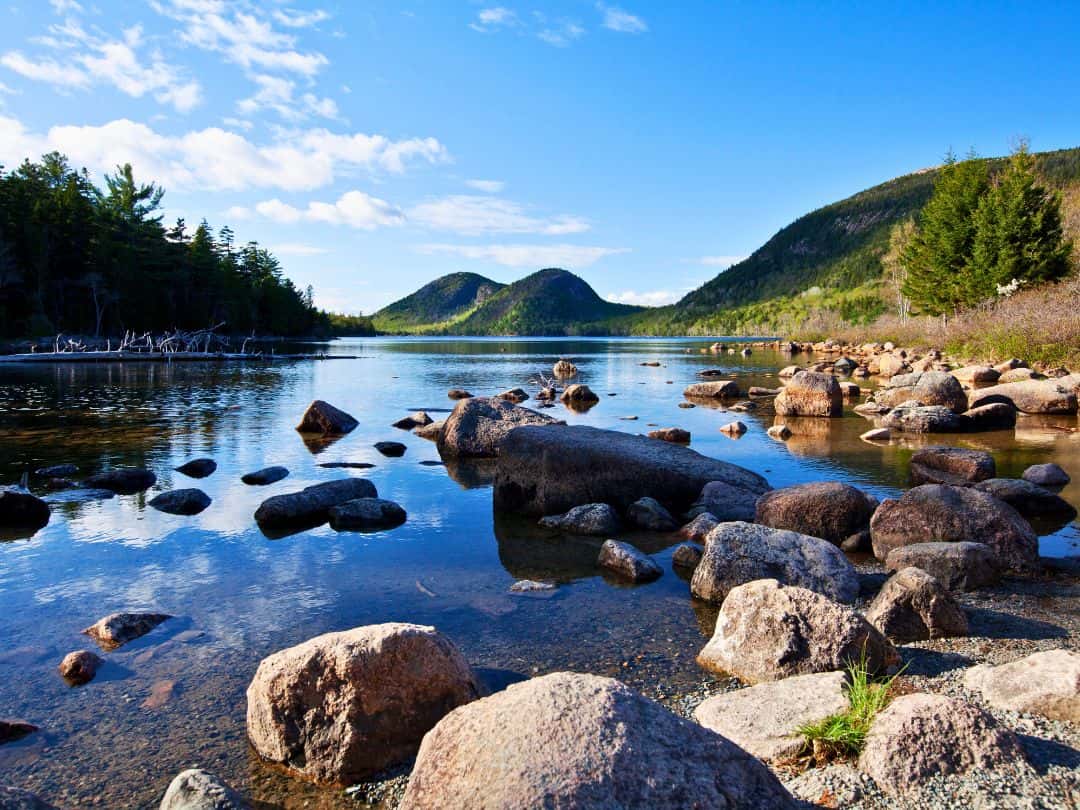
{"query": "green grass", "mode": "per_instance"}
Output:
(844, 734)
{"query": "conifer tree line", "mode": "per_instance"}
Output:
(80, 259)
(982, 235)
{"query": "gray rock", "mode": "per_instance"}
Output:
(1030, 500)
(687, 555)
(627, 562)
(311, 505)
(737, 553)
(913, 606)
(960, 566)
(951, 465)
(810, 393)
(841, 783)
(767, 632)
(826, 509)
(118, 629)
(366, 514)
(588, 743)
(910, 417)
(79, 667)
(714, 389)
(324, 419)
(122, 482)
(181, 501)
(198, 468)
(595, 519)
(935, 512)
(1032, 396)
(1046, 683)
(727, 502)
(550, 469)
(925, 388)
(267, 475)
(1046, 475)
(765, 719)
(477, 427)
(196, 789)
(920, 736)
(647, 513)
(343, 706)
(779, 432)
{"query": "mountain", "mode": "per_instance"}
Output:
(437, 306)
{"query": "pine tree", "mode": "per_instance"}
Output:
(1018, 232)
(937, 259)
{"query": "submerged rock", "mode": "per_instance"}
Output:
(122, 482)
(196, 789)
(311, 505)
(366, 514)
(181, 502)
(79, 495)
(914, 606)
(649, 514)
(826, 509)
(118, 629)
(1046, 683)
(597, 519)
(627, 562)
(267, 475)
(477, 427)
(343, 706)
(79, 667)
(550, 469)
(198, 468)
(810, 393)
(324, 419)
(588, 742)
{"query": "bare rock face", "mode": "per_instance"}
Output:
(625, 561)
(913, 606)
(1046, 475)
(959, 566)
(593, 519)
(766, 632)
(810, 393)
(1046, 683)
(79, 667)
(934, 512)
(583, 742)
(345, 705)
(649, 514)
(118, 629)
(181, 502)
(1030, 396)
(324, 419)
(920, 736)
(737, 553)
(765, 719)
(926, 388)
(478, 425)
(196, 789)
(15, 799)
(713, 389)
(1030, 500)
(550, 469)
(826, 509)
(311, 505)
(951, 465)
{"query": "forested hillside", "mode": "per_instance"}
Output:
(437, 305)
(79, 259)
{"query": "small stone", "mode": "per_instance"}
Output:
(514, 395)
(391, 449)
(699, 527)
(79, 667)
(596, 519)
(673, 435)
(734, 429)
(196, 789)
(265, 476)
(414, 420)
(198, 468)
(181, 502)
(458, 393)
(877, 435)
(627, 562)
(11, 730)
(122, 482)
(649, 514)
(779, 432)
(687, 555)
(528, 586)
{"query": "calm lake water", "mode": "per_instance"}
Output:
(175, 698)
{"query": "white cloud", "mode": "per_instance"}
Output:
(487, 186)
(354, 208)
(654, 298)
(277, 94)
(616, 19)
(474, 214)
(44, 70)
(291, 18)
(490, 19)
(65, 6)
(237, 123)
(297, 249)
(215, 159)
(719, 261)
(569, 256)
(561, 35)
(238, 212)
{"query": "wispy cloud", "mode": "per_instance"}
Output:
(494, 18)
(562, 33)
(487, 186)
(653, 298)
(472, 214)
(291, 18)
(277, 93)
(617, 19)
(534, 256)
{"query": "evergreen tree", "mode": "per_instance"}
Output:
(938, 257)
(1018, 232)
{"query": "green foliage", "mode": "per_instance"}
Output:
(79, 259)
(351, 325)
(437, 306)
(844, 734)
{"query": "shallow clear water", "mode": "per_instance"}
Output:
(238, 595)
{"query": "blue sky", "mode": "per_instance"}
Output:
(644, 145)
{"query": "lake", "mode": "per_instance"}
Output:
(175, 698)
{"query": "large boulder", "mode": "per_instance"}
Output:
(181, 501)
(311, 505)
(477, 426)
(21, 510)
(936, 512)
(926, 388)
(578, 741)
(324, 419)
(118, 629)
(122, 482)
(765, 719)
(626, 562)
(951, 465)
(596, 519)
(196, 789)
(920, 736)
(810, 393)
(726, 502)
(913, 606)
(911, 417)
(1046, 683)
(960, 566)
(737, 553)
(713, 389)
(826, 509)
(1030, 500)
(1030, 396)
(766, 632)
(994, 416)
(976, 374)
(888, 365)
(550, 469)
(342, 706)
